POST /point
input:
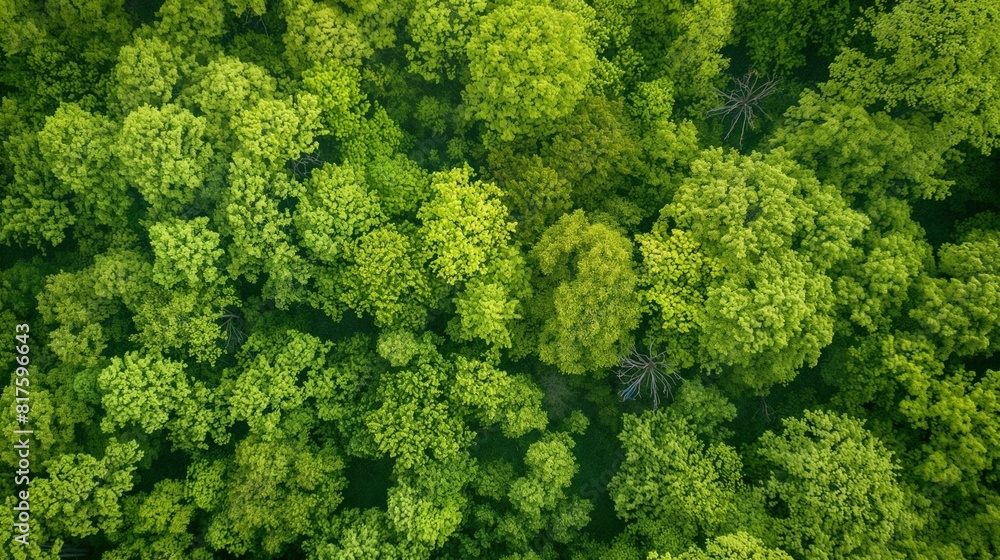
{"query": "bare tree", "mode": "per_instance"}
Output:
(765, 409)
(742, 103)
(647, 373)
(303, 166)
(233, 324)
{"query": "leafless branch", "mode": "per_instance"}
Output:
(303, 166)
(650, 373)
(234, 327)
(742, 103)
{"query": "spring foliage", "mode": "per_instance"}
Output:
(338, 279)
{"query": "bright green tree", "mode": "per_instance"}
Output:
(157, 524)
(931, 58)
(428, 505)
(318, 31)
(191, 292)
(959, 410)
(485, 311)
(260, 230)
(465, 225)
(497, 398)
(144, 390)
(164, 154)
(876, 276)
(276, 131)
(586, 302)
(694, 61)
(272, 493)
(867, 154)
(147, 72)
(962, 310)
(266, 386)
(401, 184)
(414, 423)
(741, 279)
(343, 391)
(734, 546)
(186, 254)
(88, 307)
(355, 533)
(834, 488)
(337, 88)
(77, 146)
(529, 64)
(672, 488)
(36, 206)
(384, 278)
(223, 88)
(81, 494)
(336, 210)
(541, 497)
(440, 31)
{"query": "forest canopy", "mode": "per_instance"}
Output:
(500, 279)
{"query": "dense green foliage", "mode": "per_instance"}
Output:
(342, 279)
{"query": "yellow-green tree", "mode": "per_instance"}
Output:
(737, 268)
(585, 305)
(529, 64)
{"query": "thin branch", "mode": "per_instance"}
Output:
(765, 409)
(742, 103)
(647, 373)
(235, 335)
(303, 166)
